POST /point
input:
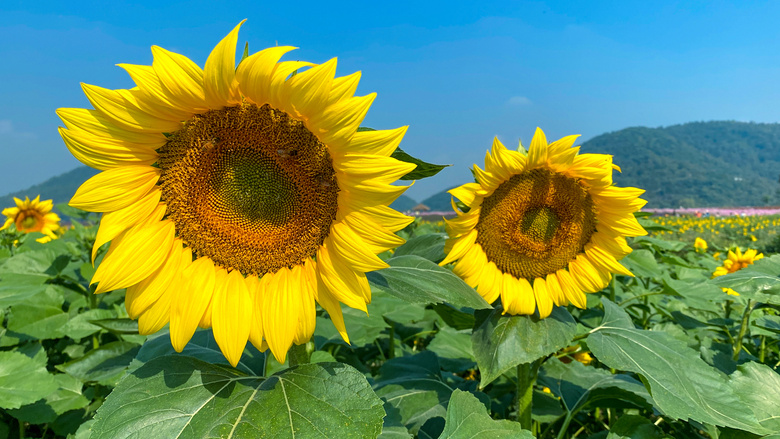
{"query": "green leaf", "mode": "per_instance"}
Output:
(40, 317)
(418, 280)
(104, 365)
(80, 326)
(578, 385)
(423, 169)
(203, 346)
(16, 288)
(758, 387)
(467, 418)
(429, 246)
(117, 326)
(769, 323)
(23, 380)
(682, 385)
(502, 342)
(414, 387)
(659, 244)
(642, 263)
(454, 349)
(455, 318)
(67, 397)
(180, 396)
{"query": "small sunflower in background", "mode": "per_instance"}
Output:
(236, 198)
(33, 216)
(541, 229)
(700, 245)
(735, 261)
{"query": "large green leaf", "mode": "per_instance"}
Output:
(23, 380)
(104, 365)
(467, 418)
(634, 427)
(758, 386)
(454, 349)
(16, 288)
(180, 396)
(682, 385)
(578, 385)
(414, 387)
(81, 326)
(642, 263)
(501, 342)
(418, 280)
(429, 246)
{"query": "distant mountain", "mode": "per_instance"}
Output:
(60, 189)
(700, 164)
(439, 202)
(403, 203)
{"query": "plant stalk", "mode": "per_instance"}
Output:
(300, 354)
(526, 378)
(743, 329)
(391, 354)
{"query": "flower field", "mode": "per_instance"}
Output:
(663, 354)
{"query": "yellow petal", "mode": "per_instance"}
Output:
(277, 87)
(232, 316)
(379, 142)
(373, 234)
(115, 189)
(388, 217)
(340, 280)
(103, 153)
(181, 79)
(520, 300)
(466, 193)
(571, 289)
(94, 123)
(306, 277)
(336, 125)
(606, 261)
(142, 295)
(255, 72)
(191, 301)
(152, 97)
(555, 291)
(281, 312)
(220, 280)
(219, 77)
(459, 247)
(122, 110)
(343, 87)
(116, 222)
(156, 316)
(376, 168)
(537, 153)
(253, 285)
(308, 92)
(330, 303)
(350, 248)
(543, 301)
(141, 252)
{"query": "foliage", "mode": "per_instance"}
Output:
(670, 355)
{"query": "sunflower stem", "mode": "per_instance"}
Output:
(743, 329)
(762, 351)
(300, 354)
(526, 378)
(391, 354)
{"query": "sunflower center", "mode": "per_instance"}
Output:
(535, 223)
(250, 187)
(29, 222)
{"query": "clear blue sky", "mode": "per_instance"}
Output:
(458, 73)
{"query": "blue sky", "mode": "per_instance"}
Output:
(456, 73)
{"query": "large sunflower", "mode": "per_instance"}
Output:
(542, 228)
(235, 198)
(33, 216)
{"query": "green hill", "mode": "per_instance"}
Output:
(700, 164)
(60, 189)
(439, 202)
(403, 203)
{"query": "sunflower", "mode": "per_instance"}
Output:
(33, 216)
(736, 261)
(236, 198)
(700, 244)
(542, 228)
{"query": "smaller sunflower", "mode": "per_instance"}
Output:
(736, 261)
(700, 245)
(542, 228)
(33, 216)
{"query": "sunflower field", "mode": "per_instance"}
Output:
(236, 271)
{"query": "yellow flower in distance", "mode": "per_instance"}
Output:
(33, 216)
(736, 261)
(236, 198)
(700, 245)
(542, 228)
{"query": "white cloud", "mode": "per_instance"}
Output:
(519, 100)
(7, 131)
